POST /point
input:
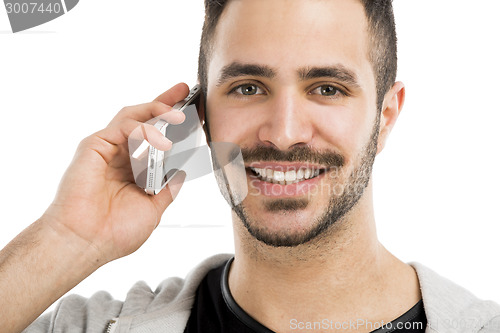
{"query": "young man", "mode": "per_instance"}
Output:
(307, 90)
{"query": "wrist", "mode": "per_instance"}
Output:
(39, 266)
(78, 252)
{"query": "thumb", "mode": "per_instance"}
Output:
(163, 199)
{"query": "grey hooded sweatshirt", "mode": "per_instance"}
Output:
(449, 308)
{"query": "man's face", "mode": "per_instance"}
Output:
(290, 83)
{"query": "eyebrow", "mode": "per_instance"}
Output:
(237, 69)
(337, 72)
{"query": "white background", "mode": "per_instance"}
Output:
(436, 184)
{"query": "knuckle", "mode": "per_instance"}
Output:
(86, 142)
(124, 110)
(162, 107)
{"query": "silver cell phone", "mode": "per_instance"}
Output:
(164, 165)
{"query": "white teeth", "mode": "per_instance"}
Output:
(289, 177)
(279, 176)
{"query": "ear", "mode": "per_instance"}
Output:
(200, 106)
(202, 115)
(391, 108)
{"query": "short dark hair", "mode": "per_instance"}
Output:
(382, 38)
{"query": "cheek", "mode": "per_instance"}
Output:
(345, 128)
(338, 125)
(233, 124)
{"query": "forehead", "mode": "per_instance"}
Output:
(289, 34)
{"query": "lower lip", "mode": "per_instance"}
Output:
(282, 191)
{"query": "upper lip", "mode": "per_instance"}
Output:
(280, 166)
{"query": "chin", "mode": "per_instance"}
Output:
(281, 222)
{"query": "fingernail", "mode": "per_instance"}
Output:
(166, 145)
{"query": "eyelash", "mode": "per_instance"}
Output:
(233, 90)
(339, 90)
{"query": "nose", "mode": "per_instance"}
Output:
(287, 124)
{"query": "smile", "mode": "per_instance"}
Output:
(291, 176)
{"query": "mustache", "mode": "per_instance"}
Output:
(297, 154)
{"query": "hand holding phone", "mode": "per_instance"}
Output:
(97, 215)
(153, 168)
(97, 201)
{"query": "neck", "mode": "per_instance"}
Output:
(334, 276)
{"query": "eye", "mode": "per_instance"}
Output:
(248, 90)
(328, 91)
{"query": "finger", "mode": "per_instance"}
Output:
(163, 199)
(173, 95)
(143, 112)
(129, 119)
(174, 117)
(159, 106)
(137, 132)
(154, 137)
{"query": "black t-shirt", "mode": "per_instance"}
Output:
(215, 310)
